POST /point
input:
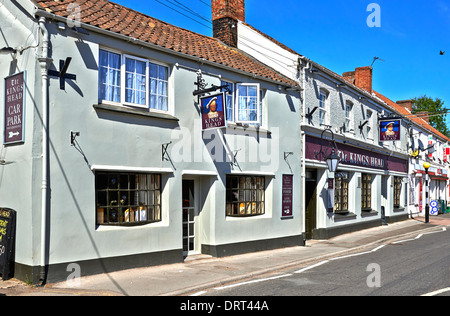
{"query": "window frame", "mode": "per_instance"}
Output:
(152, 211)
(148, 62)
(349, 116)
(398, 186)
(339, 193)
(258, 103)
(110, 51)
(254, 197)
(323, 107)
(230, 98)
(366, 191)
(124, 81)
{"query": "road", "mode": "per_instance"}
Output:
(413, 267)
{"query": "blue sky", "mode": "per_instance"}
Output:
(335, 34)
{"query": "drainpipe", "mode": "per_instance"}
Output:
(44, 62)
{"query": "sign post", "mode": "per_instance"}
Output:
(14, 109)
(7, 242)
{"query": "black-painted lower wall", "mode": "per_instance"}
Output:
(327, 233)
(59, 273)
(253, 246)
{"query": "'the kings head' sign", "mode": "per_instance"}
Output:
(13, 129)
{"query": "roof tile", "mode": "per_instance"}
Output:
(113, 17)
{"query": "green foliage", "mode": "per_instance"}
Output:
(435, 109)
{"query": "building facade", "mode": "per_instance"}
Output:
(344, 114)
(122, 163)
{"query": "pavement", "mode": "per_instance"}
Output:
(201, 271)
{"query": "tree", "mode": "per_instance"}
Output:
(436, 111)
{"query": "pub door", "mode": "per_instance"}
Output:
(310, 202)
(190, 215)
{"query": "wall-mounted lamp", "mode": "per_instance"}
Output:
(332, 161)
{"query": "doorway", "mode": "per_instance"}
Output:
(310, 202)
(190, 215)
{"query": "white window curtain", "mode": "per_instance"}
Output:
(159, 76)
(248, 100)
(109, 76)
(135, 81)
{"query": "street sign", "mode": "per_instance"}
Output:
(434, 210)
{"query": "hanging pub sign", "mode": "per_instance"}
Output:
(213, 109)
(390, 130)
(14, 108)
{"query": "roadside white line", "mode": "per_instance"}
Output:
(253, 281)
(359, 253)
(199, 293)
(419, 236)
(312, 267)
(437, 292)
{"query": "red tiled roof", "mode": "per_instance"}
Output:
(417, 120)
(116, 18)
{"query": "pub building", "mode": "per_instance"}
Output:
(370, 137)
(117, 157)
(369, 187)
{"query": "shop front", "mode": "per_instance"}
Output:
(438, 179)
(369, 188)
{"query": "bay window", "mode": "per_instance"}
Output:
(127, 198)
(245, 196)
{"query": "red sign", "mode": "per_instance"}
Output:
(355, 156)
(287, 192)
(13, 130)
(213, 111)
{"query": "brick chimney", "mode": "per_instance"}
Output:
(361, 77)
(225, 16)
(349, 76)
(424, 116)
(406, 104)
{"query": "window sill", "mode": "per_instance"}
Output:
(245, 127)
(344, 216)
(367, 213)
(140, 112)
